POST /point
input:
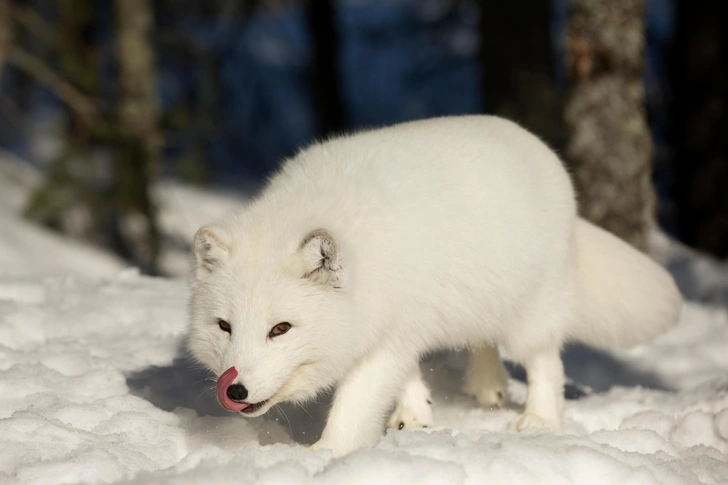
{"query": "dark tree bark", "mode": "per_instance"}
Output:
(66, 200)
(325, 82)
(139, 155)
(5, 37)
(608, 141)
(518, 75)
(700, 118)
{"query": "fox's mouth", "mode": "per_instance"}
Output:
(252, 408)
(225, 401)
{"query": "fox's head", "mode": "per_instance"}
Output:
(269, 320)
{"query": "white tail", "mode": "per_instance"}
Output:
(624, 298)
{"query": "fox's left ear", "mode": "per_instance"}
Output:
(210, 249)
(319, 255)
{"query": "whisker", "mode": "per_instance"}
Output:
(204, 391)
(205, 379)
(304, 410)
(280, 410)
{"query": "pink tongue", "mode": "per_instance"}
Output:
(223, 383)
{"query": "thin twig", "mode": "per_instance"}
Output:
(36, 24)
(36, 68)
(13, 112)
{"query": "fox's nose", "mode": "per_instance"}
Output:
(237, 392)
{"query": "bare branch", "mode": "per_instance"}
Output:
(81, 104)
(13, 112)
(36, 24)
(5, 13)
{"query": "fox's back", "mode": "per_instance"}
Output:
(450, 205)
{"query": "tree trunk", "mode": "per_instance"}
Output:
(139, 154)
(326, 93)
(66, 200)
(700, 118)
(518, 75)
(608, 141)
(5, 37)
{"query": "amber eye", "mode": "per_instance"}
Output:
(225, 326)
(279, 329)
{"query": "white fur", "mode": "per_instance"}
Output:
(443, 233)
(413, 408)
(485, 377)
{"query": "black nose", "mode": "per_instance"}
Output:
(237, 392)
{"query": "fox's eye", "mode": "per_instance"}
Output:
(225, 326)
(279, 329)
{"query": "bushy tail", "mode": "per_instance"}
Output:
(624, 298)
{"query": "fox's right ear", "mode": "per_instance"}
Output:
(320, 259)
(210, 249)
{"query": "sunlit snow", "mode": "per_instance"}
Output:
(95, 388)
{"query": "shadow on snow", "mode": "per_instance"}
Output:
(185, 385)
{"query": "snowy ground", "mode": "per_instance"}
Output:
(95, 388)
(26, 249)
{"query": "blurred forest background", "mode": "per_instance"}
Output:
(107, 97)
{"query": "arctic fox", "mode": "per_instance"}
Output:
(366, 251)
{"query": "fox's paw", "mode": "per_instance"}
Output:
(485, 377)
(531, 421)
(407, 417)
(414, 407)
(491, 397)
(335, 450)
(488, 390)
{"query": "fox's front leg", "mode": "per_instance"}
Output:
(413, 408)
(362, 401)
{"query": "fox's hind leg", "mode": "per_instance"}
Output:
(545, 402)
(413, 407)
(535, 340)
(485, 377)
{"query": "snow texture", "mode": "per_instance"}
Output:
(95, 388)
(26, 249)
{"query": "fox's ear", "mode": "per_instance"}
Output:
(320, 257)
(210, 249)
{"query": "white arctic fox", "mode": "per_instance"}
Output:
(366, 251)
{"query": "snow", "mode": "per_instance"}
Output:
(30, 250)
(183, 209)
(95, 387)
